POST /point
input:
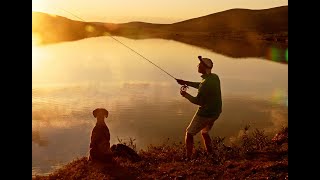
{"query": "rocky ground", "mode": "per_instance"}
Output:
(254, 156)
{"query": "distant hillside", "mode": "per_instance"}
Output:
(235, 22)
(266, 24)
(223, 32)
(52, 29)
(267, 20)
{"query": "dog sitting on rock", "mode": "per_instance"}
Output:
(100, 139)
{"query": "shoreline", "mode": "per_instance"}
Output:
(273, 47)
(253, 156)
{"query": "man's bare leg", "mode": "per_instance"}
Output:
(207, 142)
(189, 144)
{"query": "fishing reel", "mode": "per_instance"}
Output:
(184, 88)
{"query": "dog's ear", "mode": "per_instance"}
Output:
(106, 113)
(94, 112)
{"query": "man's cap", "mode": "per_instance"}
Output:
(206, 61)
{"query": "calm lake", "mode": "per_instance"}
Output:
(71, 79)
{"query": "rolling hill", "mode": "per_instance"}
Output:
(233, 23)
(223, 32)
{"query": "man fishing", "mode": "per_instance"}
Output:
(210, 105)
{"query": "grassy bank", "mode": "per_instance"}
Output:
(254, 156)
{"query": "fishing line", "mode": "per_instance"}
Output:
(125, 46)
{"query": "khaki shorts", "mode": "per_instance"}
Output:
(202, 124)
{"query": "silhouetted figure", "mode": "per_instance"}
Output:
(100, 138)
(210, 105)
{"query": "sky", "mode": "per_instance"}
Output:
(152, 11)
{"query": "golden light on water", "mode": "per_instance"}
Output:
(35, 57)
(36, 40)
(38, 55)
(279, 97)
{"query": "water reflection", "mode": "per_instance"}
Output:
(236, 44)
(37, 139)
(102, 59)
(153, 113)
(150, 117)
(243, 49)
(72, 79)
(149, 120)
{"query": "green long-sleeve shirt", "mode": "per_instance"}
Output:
(208, 97)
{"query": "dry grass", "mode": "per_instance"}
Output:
(253, 156)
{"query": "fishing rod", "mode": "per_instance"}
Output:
(126, 47)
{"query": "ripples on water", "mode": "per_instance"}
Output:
(61, 126)
(143, 103)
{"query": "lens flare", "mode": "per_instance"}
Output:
(89, 28)
(275, 54)
(279, 96)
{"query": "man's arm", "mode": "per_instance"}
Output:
(199, 99)
(193, 84)
(188, 83)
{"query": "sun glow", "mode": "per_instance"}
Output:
(39, 5)
(37, 53)
(36, 39)
(35, 57)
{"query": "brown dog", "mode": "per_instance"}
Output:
(100, 138)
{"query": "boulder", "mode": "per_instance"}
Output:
(124, 151)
